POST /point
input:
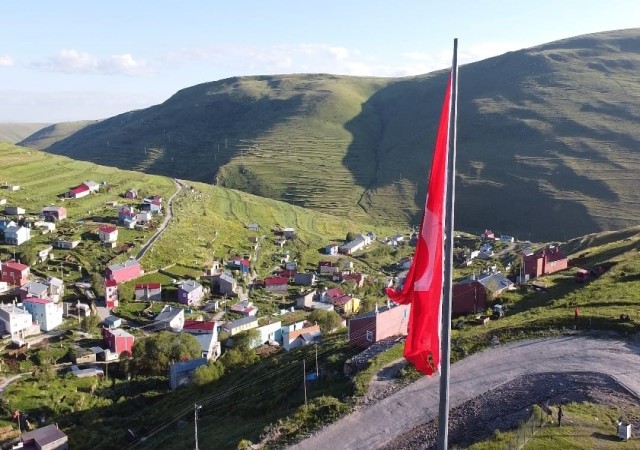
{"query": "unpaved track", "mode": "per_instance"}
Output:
(417, 403)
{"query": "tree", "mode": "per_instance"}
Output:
(246, 339)
(327, 320)
(209, 372)
(350, 236)
(238, 358)
(154, 353)
(90, 323)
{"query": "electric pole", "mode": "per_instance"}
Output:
(196, 408)
(304, 381)
(317, 371)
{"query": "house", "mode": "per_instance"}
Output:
(245, 308)
(304, 279)
(373, 326)
(123, 272)
(108, 233)
(43, 253)
(357, 278)
(14, 273)
(17, 235)
(507, 239)
(14, 211)
(190, 292)
(271, 332)
(56, 287)
(111, 293)
(170, 318)
(65, 244)
(44, 311)
(468, 297)
(112, 322)
(289, 233)
(495, 283)
(4, 287)
(544, 262)
(49, 437)
(200, 327)
(54, 213)
(239, 263)
(331, 249)
(209, 345)
(17, 322)
(227, 284)
(6, 223)
(331, 294)
(143, 217)
(92, 185)
(488, 235)
(148, 292)
(306, 299)
(152, 205)
(237, 326)
(34, 289)
(118, 341)
(181, 373)
(78, 191)
(276, 284)
(291, 265)
(131, 194)
(126, 212)
(353, 246)
(327, 268)
(346, 304)
(130, 222)
(298, 338)
(253, 227)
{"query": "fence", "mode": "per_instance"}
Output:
(540, 416)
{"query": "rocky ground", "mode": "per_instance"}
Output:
(505, 407)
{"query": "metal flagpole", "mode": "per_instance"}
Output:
(443, 416)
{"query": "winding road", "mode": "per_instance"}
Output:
(417, 403)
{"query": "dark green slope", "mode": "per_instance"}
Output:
(547, 139)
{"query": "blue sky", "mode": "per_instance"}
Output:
(72, 60)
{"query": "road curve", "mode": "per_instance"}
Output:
(418, 403)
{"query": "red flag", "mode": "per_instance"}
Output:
(423, 285)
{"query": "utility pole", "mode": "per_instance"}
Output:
(317, 372)
(304, 381)
(196, 408)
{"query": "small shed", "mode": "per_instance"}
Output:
(112, 322)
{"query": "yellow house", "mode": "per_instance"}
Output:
(346, 304)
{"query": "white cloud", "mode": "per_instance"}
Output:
(6, 61)
(72, 61)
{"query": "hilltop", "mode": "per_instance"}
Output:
(16, 132)
(547, 139)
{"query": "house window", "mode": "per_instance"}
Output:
(404, 313)
(370, 336)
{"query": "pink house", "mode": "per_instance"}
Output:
(148, 292)
(54, 212)
(124, 272)
(544, 262)
(373, 326)
(276, 284)
(118, 341)
(14, 273)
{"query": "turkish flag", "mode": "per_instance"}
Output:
(423, 285)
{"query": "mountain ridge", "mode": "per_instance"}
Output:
(546, 139)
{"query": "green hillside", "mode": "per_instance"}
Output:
(547, 139)
(16, 132)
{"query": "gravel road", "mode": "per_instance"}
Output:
(417, 404)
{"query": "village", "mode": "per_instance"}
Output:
(225, 304)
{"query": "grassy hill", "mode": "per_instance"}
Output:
(547, 139)
(16, 132)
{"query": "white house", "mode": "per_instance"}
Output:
(92, 185)
(16, 235)
(43, 310)
(170, 318)
(108, 233)
(269, 332)
(17, 322)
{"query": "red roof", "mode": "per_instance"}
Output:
(148, 286)
(110, 283)
(342, 300)
(334, 292)
(14, 265)
(275, 281)
(198, 325)
(79, 189)
(108, 228)
(325, 264)
(42, 301)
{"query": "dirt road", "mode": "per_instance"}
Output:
(417, 403)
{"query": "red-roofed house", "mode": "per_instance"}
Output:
(544, 262)
(373, 326)
(245, 308)
(346, 304)
(111, 293)
(148, 292)
(79, 191)
(332, 293)
(108, 233)
(199, 327)
(276, 284)
(357, 278)
(124, 272)
(488, 234)
(14, 273)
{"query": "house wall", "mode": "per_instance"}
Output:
(468, 298)
(358, 329)
(392, 322)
